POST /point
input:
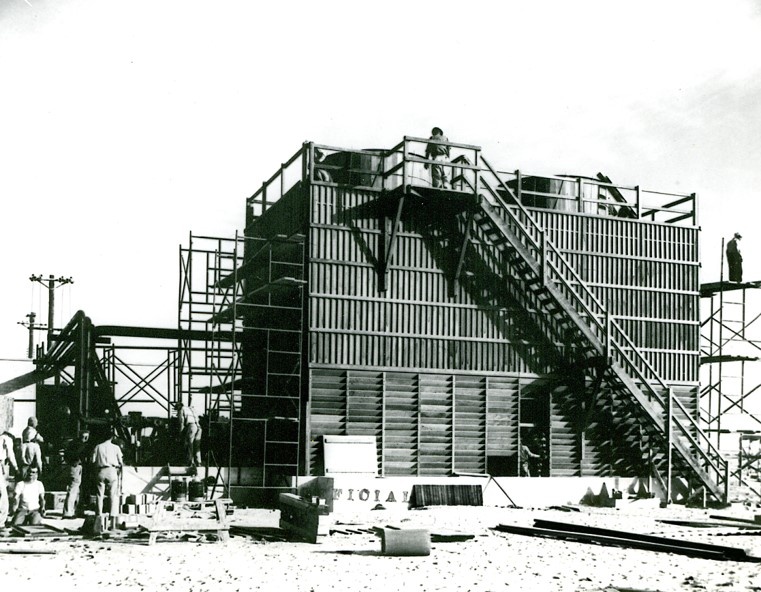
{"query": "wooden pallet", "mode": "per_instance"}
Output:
(39, 531)
(175, 527)
(172, 525)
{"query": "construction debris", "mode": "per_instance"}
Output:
(725, 523)
(300, 517)
(39, 531)
(179, 524)
(27, 551)
(756, 521)
(603, 536)
(261, 533)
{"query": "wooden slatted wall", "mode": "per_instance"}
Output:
(415, 323)
(436, 377)
(424, 423)
(646, 274)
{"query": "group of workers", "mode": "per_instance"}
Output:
(92, 468)
(97, 466)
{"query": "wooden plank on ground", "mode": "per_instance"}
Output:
(39, 531)
(446, 495)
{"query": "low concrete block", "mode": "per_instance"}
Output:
(406, 542)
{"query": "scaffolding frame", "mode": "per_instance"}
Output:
(221, 287)
(727, 389)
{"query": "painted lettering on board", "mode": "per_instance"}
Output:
(365, 495)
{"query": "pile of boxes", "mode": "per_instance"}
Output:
(138, 504)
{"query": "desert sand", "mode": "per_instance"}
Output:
(491, 561)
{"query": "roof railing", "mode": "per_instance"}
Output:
(408, 164)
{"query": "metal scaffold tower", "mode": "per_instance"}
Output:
(728, 352)
(209, 368)
(251, 312)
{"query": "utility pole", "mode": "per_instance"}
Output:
(51, 283)
(30, 324)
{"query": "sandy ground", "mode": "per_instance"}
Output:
(491, 561)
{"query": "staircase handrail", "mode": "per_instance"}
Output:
(590, 297)
(654, 394)
(708, 452)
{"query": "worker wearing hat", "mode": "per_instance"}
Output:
(735, 259)
(439, 153)
(31, 452)
(320, 174)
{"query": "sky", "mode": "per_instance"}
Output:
(125, 125)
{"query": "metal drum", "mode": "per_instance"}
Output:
(179, 490)
(196, 491)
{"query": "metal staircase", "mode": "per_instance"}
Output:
(590, 337)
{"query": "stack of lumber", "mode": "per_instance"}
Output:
(632, 540)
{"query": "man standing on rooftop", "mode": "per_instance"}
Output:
(440, 153)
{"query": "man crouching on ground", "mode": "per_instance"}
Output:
(29, 504)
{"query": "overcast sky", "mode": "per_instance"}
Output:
(127, 124)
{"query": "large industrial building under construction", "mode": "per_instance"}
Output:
(440, 328)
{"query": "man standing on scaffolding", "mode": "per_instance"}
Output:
(735, 259)
(191, 434)
(440, 153)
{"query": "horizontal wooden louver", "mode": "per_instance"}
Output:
(328, 410)
(400, 440)
(502, 422)
(435, 424)
(470, 424)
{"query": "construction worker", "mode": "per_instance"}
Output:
(107, 461)
(191, 434)
(735, 259)
(31, 433)
(29, 496)
(439, 153)
(526, 456)
(76, 456)
(7, 460)
(321, 174)
(31, 452)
